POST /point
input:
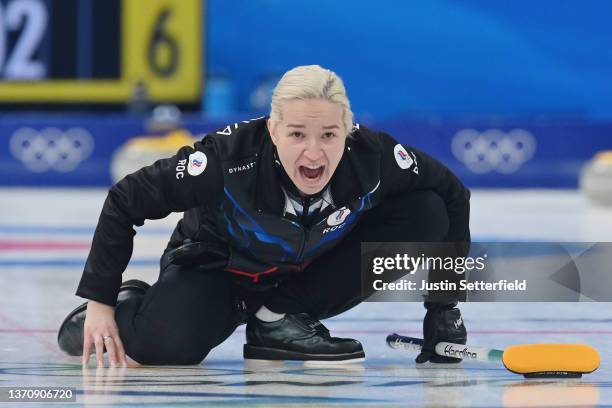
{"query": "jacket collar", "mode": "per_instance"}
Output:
(345, 186)
(269, 196)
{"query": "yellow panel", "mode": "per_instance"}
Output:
(179, 33)
(536, 358)
(181, 27)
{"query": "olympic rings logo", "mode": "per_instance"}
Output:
(51, 148)
(493, 150)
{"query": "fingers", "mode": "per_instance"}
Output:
(100, 332)
(109, 342)
(99, 342)
(86, 349)
(116, 353)
(114, 347)
(120, 351)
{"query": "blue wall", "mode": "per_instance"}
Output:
(507, 94)
(484, 153)
(401, 59)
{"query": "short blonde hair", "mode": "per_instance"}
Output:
(311, 82)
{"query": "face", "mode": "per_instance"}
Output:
(310, 141)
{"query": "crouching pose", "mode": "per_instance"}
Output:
(275, 210)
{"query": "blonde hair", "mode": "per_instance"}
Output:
(311, 82)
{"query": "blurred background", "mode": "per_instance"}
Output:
(508, 94)
(514, 96)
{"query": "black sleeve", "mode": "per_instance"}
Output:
(405, 169)
(191, 178)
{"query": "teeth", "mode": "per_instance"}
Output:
(311, 167)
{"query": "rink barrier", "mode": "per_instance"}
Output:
(53, 150)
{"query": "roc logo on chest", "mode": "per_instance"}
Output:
(336, 220)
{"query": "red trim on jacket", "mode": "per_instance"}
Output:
(254, 275)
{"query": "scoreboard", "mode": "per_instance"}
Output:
(96, 51)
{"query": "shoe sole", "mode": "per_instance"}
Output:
(266, 353)
(340, 363)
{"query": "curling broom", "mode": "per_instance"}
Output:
(530, 360)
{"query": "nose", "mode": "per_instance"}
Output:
(313, 150)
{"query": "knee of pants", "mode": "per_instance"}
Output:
(422, 214)
(153, 341)
(158, 358)
(167, 348)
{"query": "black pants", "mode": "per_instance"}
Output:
(188, 311)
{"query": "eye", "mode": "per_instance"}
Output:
(328, 135)
(296, 134)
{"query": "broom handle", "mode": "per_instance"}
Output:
(397, 341)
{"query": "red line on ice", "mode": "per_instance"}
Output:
(474, 331)
(365, 331)
(41, 245)
(22, 331)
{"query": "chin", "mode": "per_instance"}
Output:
(311, 189)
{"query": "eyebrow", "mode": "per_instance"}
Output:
(302, 126)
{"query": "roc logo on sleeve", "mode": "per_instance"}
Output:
(197, 163)
(403, 159)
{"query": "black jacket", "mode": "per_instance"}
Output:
(233, 205)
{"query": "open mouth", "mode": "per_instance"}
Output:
(312, 173)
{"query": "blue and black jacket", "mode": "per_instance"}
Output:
(230, 192)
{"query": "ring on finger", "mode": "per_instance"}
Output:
(106, 337)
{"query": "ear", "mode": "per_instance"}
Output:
(272, 130)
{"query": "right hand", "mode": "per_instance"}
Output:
(100, 323)
(443, 322)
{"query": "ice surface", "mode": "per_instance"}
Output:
(44, 238)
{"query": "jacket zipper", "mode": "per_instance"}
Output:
(305, 208)
(305, 231)
(306, 236)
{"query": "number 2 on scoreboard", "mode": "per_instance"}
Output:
(30, 17)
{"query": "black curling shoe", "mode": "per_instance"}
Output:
(70, 335)
(298, 337)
